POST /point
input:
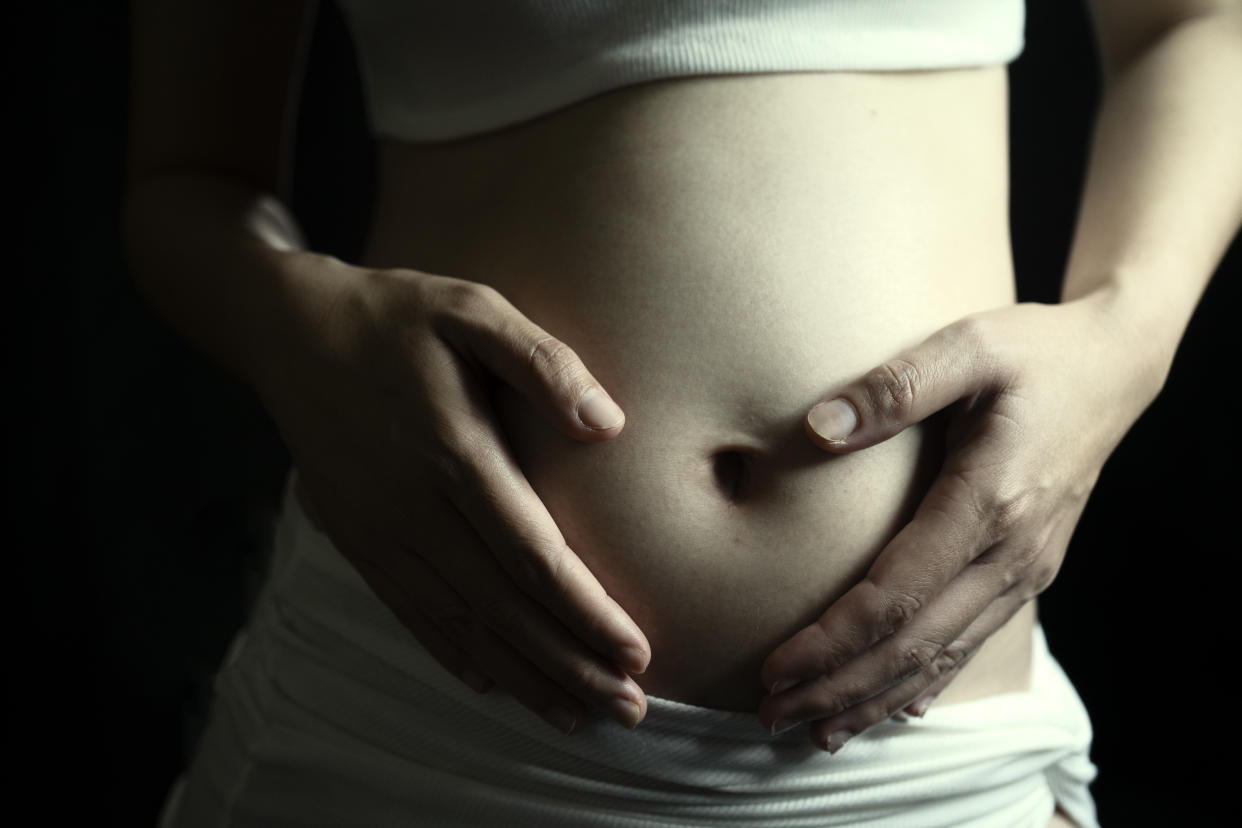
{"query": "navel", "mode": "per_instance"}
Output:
(731, 469)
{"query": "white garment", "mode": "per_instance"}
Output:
(440, 69)
(328, 712)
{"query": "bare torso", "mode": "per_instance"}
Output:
(720, 251)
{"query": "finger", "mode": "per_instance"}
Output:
(545, 370)
(833, 731)
(924, 650)
(430, 608)
(451, 631)
(441, 647)
(945, 534)
(450, 620)
(492, 600)
(1041, 576)
(952, 363)
(918, 705)
(482, 479)
(990, 574)
(918, 691)
(924, 700)
(450, 656)
(489, 489)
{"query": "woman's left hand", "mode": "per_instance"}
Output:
(1040, 396)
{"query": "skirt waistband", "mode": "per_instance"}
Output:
(303, 551)
(326, 652)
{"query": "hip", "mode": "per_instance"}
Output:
(327, 712)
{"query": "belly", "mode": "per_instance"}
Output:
(720, 251)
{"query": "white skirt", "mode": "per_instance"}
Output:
(327, 711)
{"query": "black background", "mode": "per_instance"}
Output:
(141, 479)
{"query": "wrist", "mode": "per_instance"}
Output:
(300, 318)
(1143, 340)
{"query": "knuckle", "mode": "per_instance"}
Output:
(1006, 508)
(449, 456)
(921, 656)
(952, 656)
(469, 300)
(854, 696)
(1043, 573)
(934, 661)
(899, 610)
(874, 712)
(553, 362)
(967, 503)
(970, 334)
(582, 680)
(832, 701)
(975, 339)
(1030, 554)
(1009, 576)
(832, 656)
(539, 568)
(894, 609)
(893, 385)
(980, 338)
(502, 613)
(461, 455)
(457, 623)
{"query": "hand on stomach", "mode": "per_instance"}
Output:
(719, 251)
(721, 538)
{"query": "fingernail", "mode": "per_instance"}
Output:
(920, 706)
(782, 685)
(476, 681)
(596, 411)
(833, 420)
(561, 719)
(900, 717)
(781, 725)
(838, 739)
(625, 711)
(634, 660)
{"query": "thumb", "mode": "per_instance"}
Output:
(905, 390)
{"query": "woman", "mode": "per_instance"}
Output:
(717, 234)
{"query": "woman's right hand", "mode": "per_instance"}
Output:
(382, 398)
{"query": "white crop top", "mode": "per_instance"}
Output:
(433, 71)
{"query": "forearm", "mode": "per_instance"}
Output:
(1163, 193)
(223, 264)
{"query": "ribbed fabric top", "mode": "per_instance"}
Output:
(440, 70)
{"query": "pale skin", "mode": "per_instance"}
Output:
(1163, 148)
(1044, 402)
